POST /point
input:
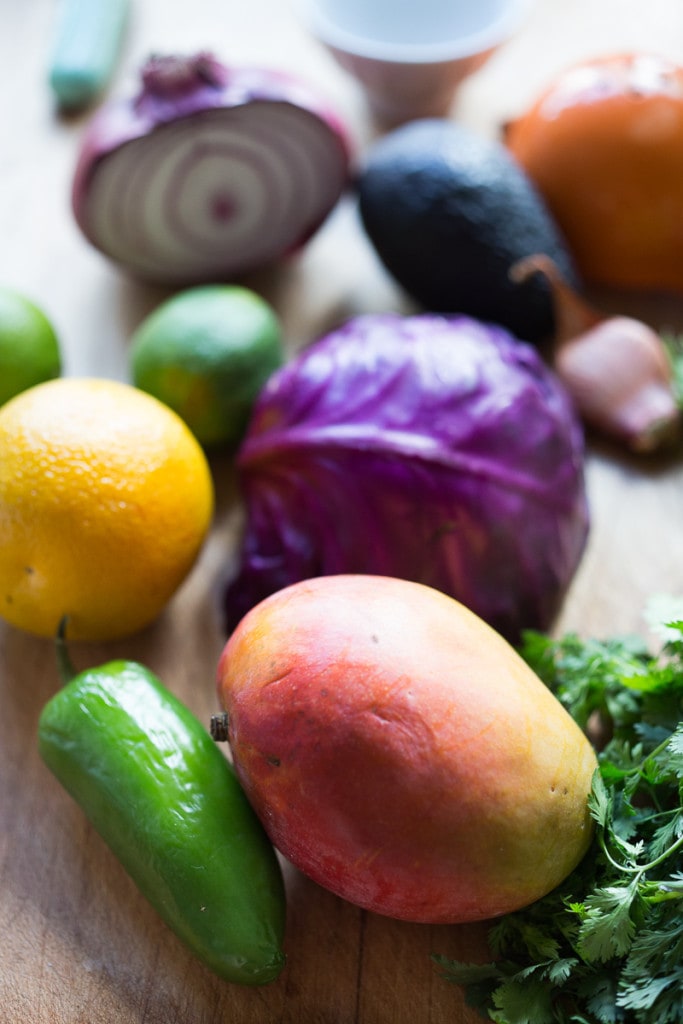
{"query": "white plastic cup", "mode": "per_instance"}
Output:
(410, 56)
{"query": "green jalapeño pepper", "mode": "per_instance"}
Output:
(166, 801)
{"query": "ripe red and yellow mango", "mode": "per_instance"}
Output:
(399, 751)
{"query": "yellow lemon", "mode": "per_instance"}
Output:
(106, 498)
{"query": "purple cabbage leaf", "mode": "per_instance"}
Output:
(432, 448)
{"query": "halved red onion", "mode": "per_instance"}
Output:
(209, 172)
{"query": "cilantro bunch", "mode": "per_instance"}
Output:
(673, 347)
(606, 946)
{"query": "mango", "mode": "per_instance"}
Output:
(400, 753)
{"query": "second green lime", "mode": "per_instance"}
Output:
(207, 352)
(29, 348)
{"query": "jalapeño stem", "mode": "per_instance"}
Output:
(65, 666)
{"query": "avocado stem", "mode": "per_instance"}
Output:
(572, 315)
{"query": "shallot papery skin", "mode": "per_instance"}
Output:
(209, 172)
(621, 381)
(615, 368)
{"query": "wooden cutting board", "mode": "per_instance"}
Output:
(79, 944)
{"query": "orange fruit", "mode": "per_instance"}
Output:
(106, 498)
(603, 143)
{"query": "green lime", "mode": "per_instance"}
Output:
(207, 352)
(29, 349)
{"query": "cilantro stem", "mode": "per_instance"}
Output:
(637, 769)
(636, 869)
(662, 895)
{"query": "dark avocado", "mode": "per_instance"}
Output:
(448, 213)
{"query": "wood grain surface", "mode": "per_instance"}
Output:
(78, 944)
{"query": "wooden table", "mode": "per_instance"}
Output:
(78, 943)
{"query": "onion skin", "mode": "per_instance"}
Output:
(247, 123)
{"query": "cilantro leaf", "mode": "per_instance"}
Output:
(524, 999)
(674, 752)
(673, 347)
(599, 802)
(607, 927)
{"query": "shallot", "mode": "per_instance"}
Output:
(209, 172)
(616, 368)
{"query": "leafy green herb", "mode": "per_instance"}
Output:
(606, 946)
(673, 344)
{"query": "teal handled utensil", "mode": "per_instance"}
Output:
(86, 46)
